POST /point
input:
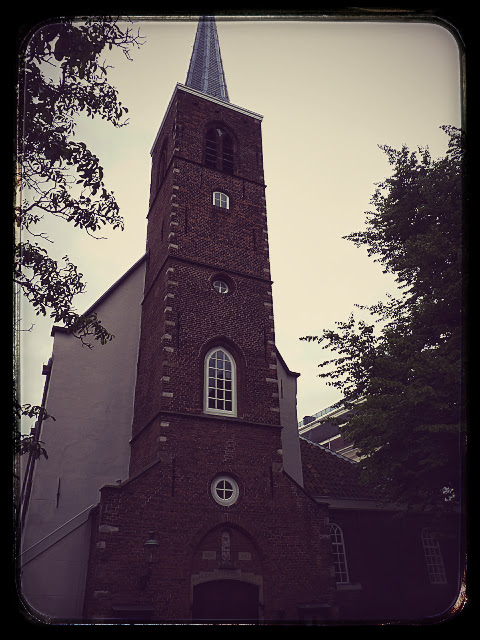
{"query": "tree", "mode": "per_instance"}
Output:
(406, 367)
(62, 77)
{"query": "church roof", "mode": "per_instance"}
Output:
(327, 474)
(205, 72)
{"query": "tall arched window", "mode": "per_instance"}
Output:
(219, 150)
(220, 383)
(339, 556)
(433, 557)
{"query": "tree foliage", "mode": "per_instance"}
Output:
(402, 374)
(62, 76)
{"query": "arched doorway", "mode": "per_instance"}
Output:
(225, 600)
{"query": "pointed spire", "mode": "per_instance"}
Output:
(205, 72)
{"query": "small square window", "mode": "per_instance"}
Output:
(221, 200)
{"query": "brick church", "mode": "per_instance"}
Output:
(180, 490)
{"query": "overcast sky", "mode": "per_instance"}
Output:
(329, 93)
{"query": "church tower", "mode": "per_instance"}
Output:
(208, 525)
(207, 364)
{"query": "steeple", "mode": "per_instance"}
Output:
(205, 72)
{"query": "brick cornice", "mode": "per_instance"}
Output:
(202, 416)
(205, 265)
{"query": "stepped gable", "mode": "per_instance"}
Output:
(329, 474)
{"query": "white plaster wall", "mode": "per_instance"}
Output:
(53, 582)
(287, 391)
(91, 395)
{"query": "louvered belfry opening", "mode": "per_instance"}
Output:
(227, 153)
(219, 150)
(211, 149)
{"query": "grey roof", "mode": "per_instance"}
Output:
(322, 432)
(328, 474)
(205, 72)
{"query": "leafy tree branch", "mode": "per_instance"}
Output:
(406, 366)
(62, 76)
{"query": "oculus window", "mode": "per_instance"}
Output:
(220, 286)
(222, 283)
(224, 490)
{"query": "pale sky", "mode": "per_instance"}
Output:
(329, 93)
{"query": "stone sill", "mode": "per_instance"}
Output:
(341, 586)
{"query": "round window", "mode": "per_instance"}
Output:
(220, 286)
(224, 490)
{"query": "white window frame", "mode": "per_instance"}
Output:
(221, 200)
(207, 385)
(339, 555)
(433, 557)
(220, 286)
(232, 489)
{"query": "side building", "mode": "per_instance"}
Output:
(325, 428)
(392, 562)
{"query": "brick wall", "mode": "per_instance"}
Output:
(277, 538)
(190, 241)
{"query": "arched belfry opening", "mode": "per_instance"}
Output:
(219, 149)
